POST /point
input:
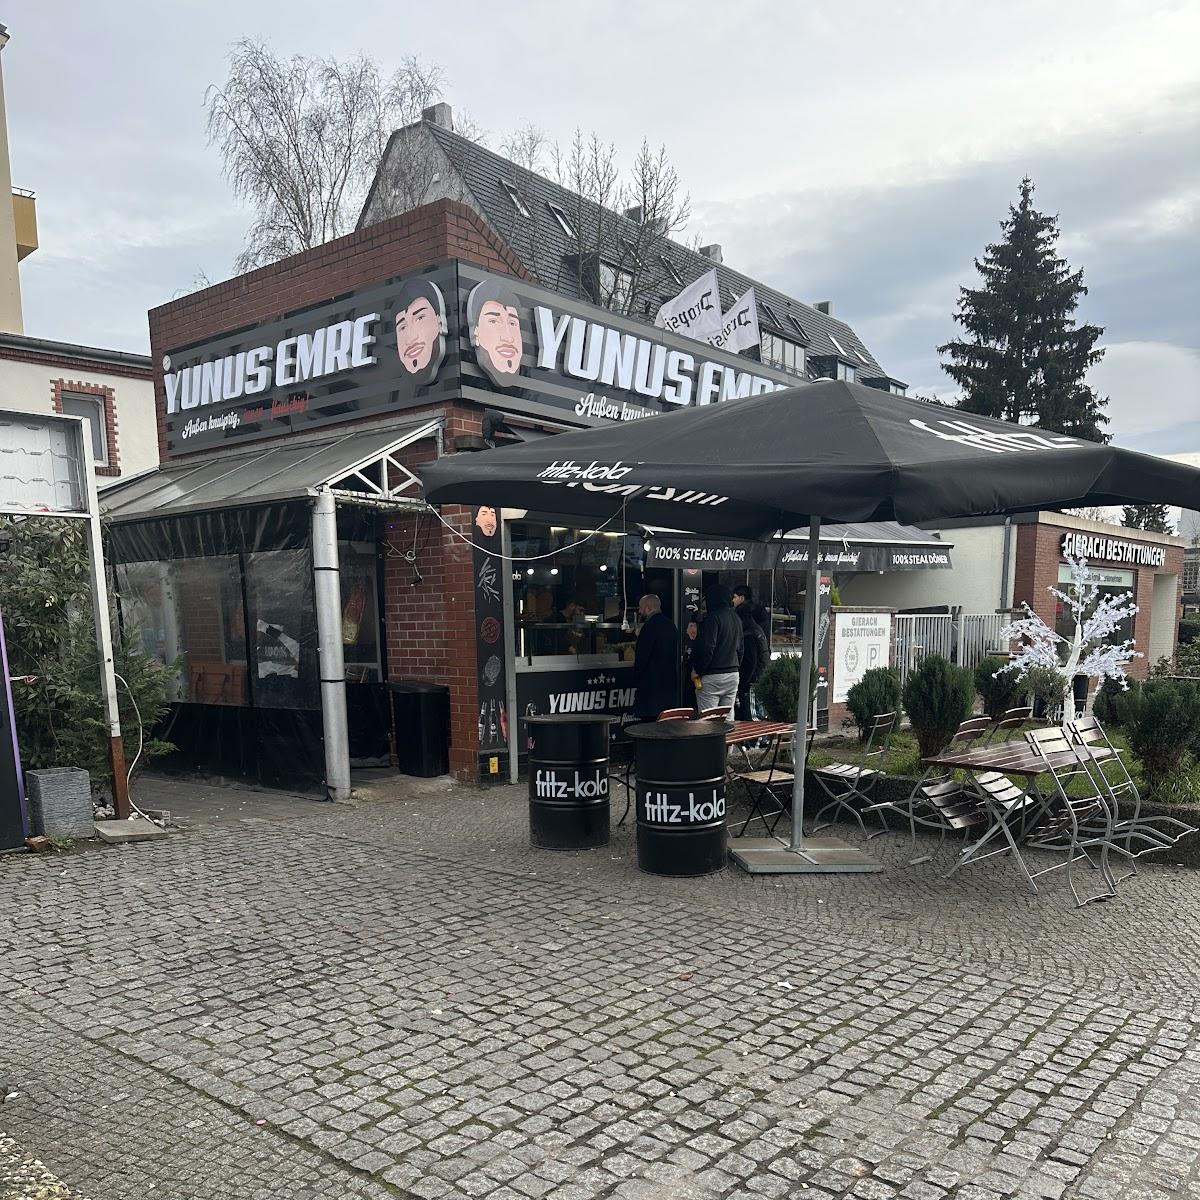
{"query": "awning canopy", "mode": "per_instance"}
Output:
(359, 468)
(851, 548)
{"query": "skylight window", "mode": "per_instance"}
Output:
(517, 202)
(561, 217)
(770, 314)
(838, 346)
(798, 327)
(669, 267)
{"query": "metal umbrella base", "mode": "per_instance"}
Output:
(815, 856)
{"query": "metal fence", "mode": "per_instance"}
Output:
(966, 638)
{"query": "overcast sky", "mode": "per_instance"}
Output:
(861, 152)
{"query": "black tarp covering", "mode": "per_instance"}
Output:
(230, 593)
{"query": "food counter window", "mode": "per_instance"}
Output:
(576, 601)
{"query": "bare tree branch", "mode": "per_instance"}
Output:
(300, 140)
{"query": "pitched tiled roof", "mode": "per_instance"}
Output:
(549, 251)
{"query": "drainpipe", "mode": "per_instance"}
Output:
(327, 592)
(1004, 563)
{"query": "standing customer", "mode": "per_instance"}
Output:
(749, 708)
(655, 661)
(717, 655)
(756, 654)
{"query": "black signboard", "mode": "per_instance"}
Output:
(584, 690)
(842, 557)
(450, 331)
(488, 574)
(380, 349)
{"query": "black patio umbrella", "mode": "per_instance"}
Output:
(824, 451)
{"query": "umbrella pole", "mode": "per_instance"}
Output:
(808, 650)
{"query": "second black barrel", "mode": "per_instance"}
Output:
(681, 797)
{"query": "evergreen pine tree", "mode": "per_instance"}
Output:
(1155, 518)
(1024, 359)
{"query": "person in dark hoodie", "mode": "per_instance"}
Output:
(717, 655)
(756, 654)
(749, 708)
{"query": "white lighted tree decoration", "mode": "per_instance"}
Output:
(1086, 651)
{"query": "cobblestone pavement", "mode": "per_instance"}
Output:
(401, 999)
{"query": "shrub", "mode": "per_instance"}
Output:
(1189, 631)
(779, 687)
(1105, 705)
(999, 687)
(878, 691)
(1187, 660)
(44, 583)
(1045, 687)
(1161, 719)
(938, 697)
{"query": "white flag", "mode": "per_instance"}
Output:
(696, 311)
(739, 326)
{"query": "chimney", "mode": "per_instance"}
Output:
(439, 114)
(712, 253)
(634, 213)
(824, 306)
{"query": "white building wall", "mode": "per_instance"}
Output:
(28, 387)
(972, 584)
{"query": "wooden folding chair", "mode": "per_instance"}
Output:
(1012, 720)
(767, 783)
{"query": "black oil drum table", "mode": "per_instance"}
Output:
(680, 796)
(568, 781)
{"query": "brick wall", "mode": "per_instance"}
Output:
(430, 624)
(107, 398)
(1039, 556)
(432, 233)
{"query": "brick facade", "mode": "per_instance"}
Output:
(429, 626)
(108, 403)
(1039, 557)
(433, 233)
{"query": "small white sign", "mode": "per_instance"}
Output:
(863, 642)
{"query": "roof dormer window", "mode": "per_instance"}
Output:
(560, 216)
(510, 191)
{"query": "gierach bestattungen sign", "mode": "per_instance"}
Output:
(449, 332)
(1105, 549)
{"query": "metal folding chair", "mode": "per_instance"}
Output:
(767, 783)
(1159, 833)
(939, 800)
(1081, 822)
(849, 783)
(1012, 720)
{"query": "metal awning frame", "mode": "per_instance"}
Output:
(395, 478)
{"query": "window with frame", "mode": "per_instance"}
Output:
(782, 352)
(616, 287)
(846, 371)
(669, 267)
(561, 217)
(513, 195)
(91, 408)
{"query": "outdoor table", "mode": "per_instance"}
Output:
(680, 796)
(740, 732)
(1011, 758)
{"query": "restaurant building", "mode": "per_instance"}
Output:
(294, 406)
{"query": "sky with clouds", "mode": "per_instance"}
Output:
(862, 152)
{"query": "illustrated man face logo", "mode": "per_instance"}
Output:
(485, 519)
(421, 329)
(495, 324)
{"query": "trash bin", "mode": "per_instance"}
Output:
(568, 782)
(680, 797)
(421, 715)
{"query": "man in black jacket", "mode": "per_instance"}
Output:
(656, 661)
(756, 654)
(717, 655)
